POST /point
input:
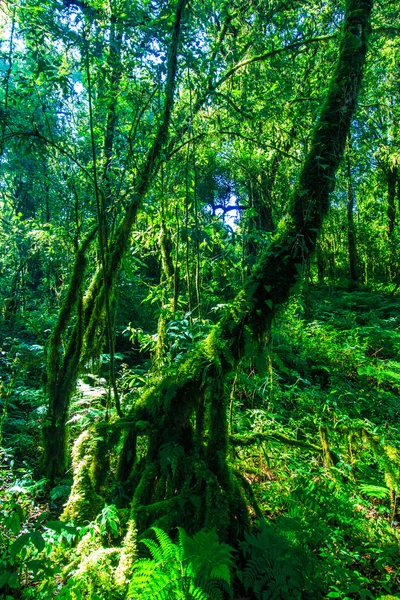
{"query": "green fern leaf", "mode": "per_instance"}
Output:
(193, 569)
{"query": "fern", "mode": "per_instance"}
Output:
(192, 569)
(274, 569)
(209, 558)
(375, 491)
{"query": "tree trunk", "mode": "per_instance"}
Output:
(351, 232)
(392, 177)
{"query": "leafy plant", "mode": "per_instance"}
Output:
(195, 568)
(375, 491)
(275, 569)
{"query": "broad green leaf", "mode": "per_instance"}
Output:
(38, 540)
(22, 541)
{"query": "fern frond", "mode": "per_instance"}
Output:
(221, 571)
(193, 569)
(155, 550)
(375, 491)
(209, 557)
(274, 569)
(167, 547)
(196, 593)
(213, 589)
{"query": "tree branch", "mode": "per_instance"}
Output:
(271, 54)
(256, 438)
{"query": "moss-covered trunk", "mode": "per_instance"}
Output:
(391, 206)
(351, 230)
(85, 311)
(62, 367)
(185, 478)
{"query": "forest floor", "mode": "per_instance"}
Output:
(324, 465)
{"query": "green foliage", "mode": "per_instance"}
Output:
(195, 568)
(90, 556)
(274, 569)
(343, 520)
(24, 547)
(184, 212)
(182, 335)
(374, 491)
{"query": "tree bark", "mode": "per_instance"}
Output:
(351, 232)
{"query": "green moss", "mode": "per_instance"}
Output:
(94, 574)
(387, 455)
(84, 502)
(217, 514)
(128, 555)
(127, 457)
(326, 451)
(62, 370)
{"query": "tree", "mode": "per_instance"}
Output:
(62, 372)
(185, 477)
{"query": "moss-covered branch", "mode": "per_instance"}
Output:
(281, 266)
(257, 438)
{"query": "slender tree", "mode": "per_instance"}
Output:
(62, 370)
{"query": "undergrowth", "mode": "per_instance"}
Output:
(323, 463)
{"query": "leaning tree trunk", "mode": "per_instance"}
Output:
(88, 309)
(185, 478)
